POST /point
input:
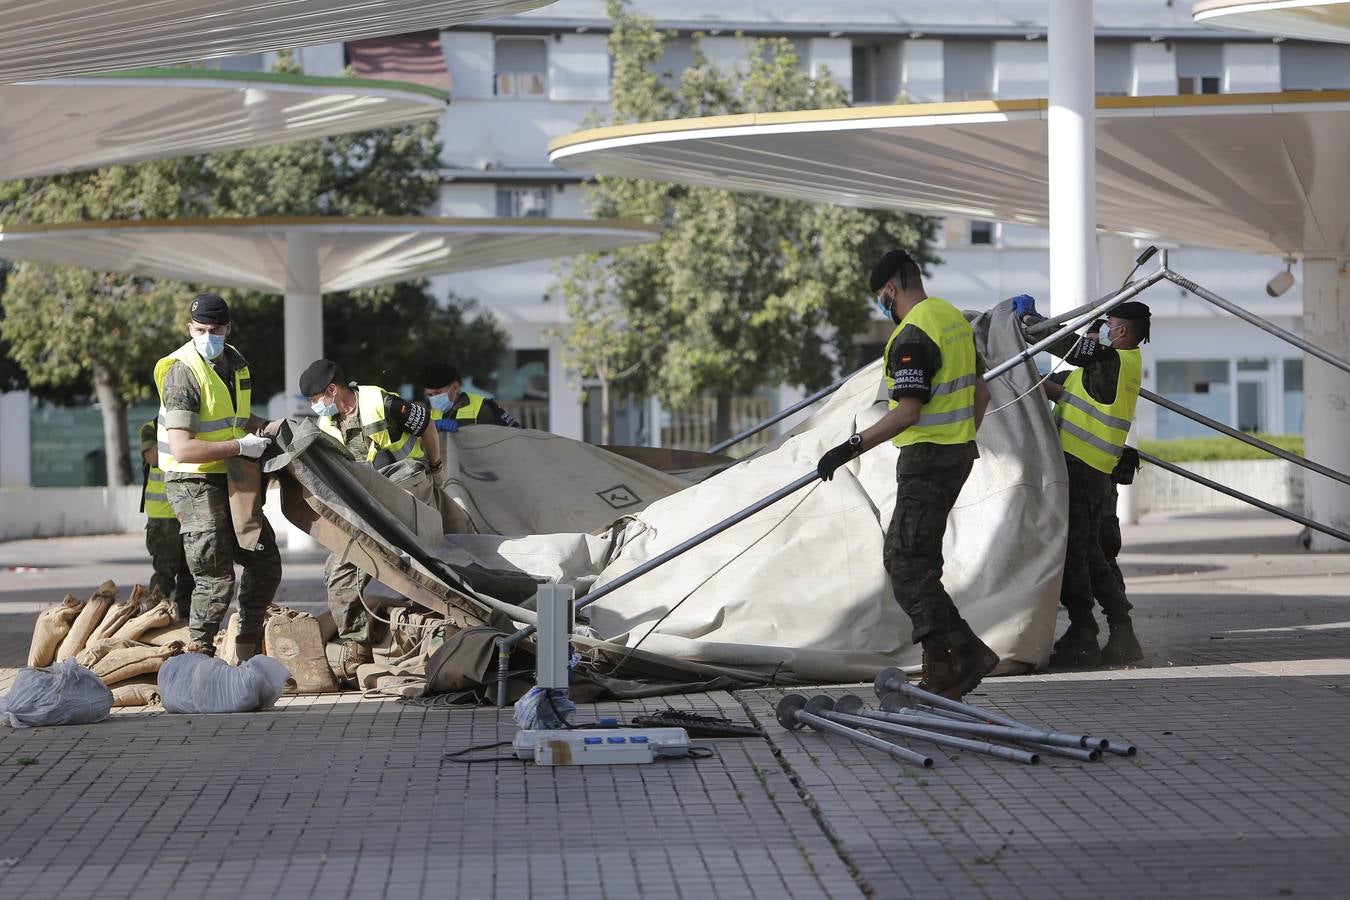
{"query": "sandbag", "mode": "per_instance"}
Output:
(96, 650)
(117, 616)
(295, 639)
(158, 616)
(158, 637)
(88, 619)
(196, 683)
(136, 693)
(52, 627)
(128, 662)
(65, 694)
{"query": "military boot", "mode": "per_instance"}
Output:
(939, 667)
(246, 648)
(354, 655)
(1077, 649)
(1122, 647)
(973, 658)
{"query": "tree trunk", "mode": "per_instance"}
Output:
(114, 410)
(604, 411)
(722, 430)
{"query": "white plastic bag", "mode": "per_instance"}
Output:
(196, 683)
(64, 694)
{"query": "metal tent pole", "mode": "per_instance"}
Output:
(1246, 498)
(783, 414)
(1243, 436)
(1269, 327)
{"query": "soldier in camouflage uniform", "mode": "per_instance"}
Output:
(937, 400)
(205, 419)
(171, 578)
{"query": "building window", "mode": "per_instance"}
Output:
(981, 232)
(1202, 385)
(967, 70)
(1112, 62)
(523, 203)
(876, 72)
(521, 67)
(1314, 67)
(1293, 396)
(1199, 68)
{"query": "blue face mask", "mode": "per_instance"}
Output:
(880, 303)
(440, 402)
(209, 345)
(1104, 338)
(324, 407)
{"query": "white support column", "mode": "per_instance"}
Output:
(303, 337)
(1073, 195)
(15, 439)
(564, 396)
(654, 421)
(1326, 395)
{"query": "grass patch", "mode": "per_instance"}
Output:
(1218, 448)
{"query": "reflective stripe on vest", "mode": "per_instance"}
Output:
(1095, 432)
(948, 417)
(218, 417)
(370, 410)
(156, 501)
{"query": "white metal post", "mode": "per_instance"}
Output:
(303, 335)
(1072, 160)
(1326, 395)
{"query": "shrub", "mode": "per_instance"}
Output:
(1219, 447)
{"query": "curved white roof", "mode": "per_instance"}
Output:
(1312, 20)
(352, 252)
(1256, 172)
(49, 38)
(69, 124)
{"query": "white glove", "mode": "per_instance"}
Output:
(251, 446)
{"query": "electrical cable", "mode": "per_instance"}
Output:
(455, 755)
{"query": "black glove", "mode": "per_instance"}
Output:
(834, 458)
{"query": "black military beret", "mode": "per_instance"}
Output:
(885, 270)
(438, 375)
(209, 309)
(317, 376)
(1131, 309)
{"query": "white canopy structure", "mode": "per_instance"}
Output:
(1310, 20)
(49, 38)
(1265, 173)
(69, 124)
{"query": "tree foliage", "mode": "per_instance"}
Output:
(71, 330)
(741, 291)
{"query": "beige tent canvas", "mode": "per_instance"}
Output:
(799, 589)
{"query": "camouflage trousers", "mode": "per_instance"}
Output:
(1090, 571)
(171, 577)
(913, 548)
(202, 505)
(345, 582)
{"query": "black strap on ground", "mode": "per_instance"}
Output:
(1245, 498)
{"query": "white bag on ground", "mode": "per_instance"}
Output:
(196, 683)
(65, 694)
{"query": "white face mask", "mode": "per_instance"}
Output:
(440, 402)
(209, 345)
(1105, 337)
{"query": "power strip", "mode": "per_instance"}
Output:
(600, 746)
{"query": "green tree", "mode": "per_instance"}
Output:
(71, 330)
(741, 291)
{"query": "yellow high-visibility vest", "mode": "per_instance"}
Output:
(1095, 432)
(370, 410)
(466, 414)
(156, 504)
(948, 417)
(218, 418)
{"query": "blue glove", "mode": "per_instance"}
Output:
(450, 425)
(1023, 304)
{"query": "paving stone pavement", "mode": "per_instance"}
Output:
(1241, 712)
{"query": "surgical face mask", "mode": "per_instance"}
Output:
(1105, 337)
(209, 345)
(324, 407)
(440, 402)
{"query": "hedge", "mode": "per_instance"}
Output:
(1219, 447)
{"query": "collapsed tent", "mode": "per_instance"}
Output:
(796, 592)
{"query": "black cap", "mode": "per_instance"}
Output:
(317, 376)
(1131, 309)
(209, 309)
(438, 375)
(885, 270)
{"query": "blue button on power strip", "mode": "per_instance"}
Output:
(618, 740)
(594, 740)
(640, 739)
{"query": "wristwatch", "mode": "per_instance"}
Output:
(855, 441)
